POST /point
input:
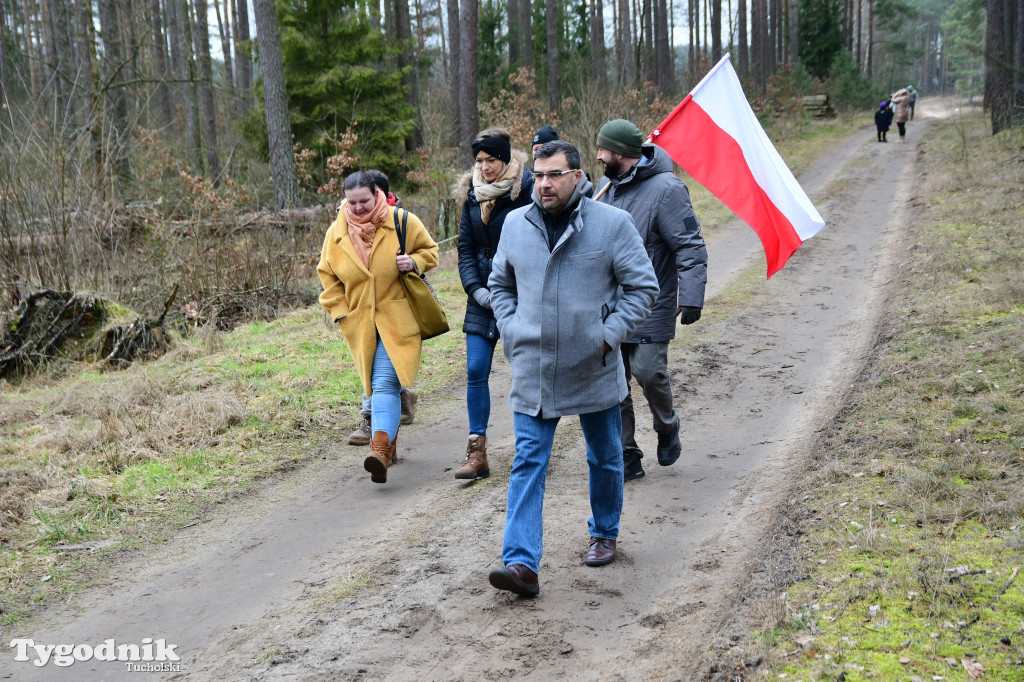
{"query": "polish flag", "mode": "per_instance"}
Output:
(715, 137)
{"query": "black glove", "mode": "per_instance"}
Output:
(688, 314)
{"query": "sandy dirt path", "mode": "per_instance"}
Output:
(324, 576)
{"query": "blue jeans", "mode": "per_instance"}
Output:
(386, 402)
(524, 522)
(479, 353)
(366, 409)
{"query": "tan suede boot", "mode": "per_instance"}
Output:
(475, 465)
(382, 454)
(409, 398)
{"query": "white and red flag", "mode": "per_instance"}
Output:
(715, 137)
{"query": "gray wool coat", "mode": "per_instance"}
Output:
(556, 309)
(659, 204)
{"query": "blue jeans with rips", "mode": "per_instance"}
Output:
(524, 524)
(479, 354)
(386, 402)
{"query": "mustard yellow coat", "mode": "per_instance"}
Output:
(365, 302)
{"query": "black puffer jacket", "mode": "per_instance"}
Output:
(478, 243)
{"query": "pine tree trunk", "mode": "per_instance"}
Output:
(526, 9)
(554, 63)
(716, 30)
(515, 39)
(597, 63)
(162, 92)
(444, 40)
(243, 60)
(130, 73)
(646, 30)
(118, 112)
(455, 78)
(32, 51)
(869, 71)
(275, 102)
(407, 63)
(224, 30)
(205, 87)
(757, 41)
(5, 67)
(1018, 64)
(50, 57)
(625, 75)
(794, 31)
(666, 72)
(468, 68)
(189, 89)
(89, 73)
(741, 43)
(860, 31)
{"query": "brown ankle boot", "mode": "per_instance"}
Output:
(476, 459)
(382, 454)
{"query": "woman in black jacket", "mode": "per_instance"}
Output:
(499, 183)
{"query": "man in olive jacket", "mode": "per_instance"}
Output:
(569, 282)
(644, 184)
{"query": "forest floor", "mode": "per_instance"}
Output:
(321, 575)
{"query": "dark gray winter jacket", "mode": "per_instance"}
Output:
(660, 206)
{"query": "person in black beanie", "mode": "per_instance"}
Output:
(498, 184)
(643, 184)
(545, 134)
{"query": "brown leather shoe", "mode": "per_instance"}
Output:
(475, 465)
(601, 552)
(382, 453)
(515, 578)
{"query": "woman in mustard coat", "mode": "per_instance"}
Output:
(359, 268)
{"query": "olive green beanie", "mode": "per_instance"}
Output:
(621, 137)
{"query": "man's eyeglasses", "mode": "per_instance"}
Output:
(550, 175)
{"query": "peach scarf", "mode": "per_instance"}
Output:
(361, 232)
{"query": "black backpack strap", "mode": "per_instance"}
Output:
(401, 230)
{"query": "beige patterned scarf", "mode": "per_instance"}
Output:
(489, 192)
(362, 232)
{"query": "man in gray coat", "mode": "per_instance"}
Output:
(643, 183)
(570, 280)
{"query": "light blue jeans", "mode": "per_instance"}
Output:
(366, 408)
(479, 354)
(524, 522)
(386, 401)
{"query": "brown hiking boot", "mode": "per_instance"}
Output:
(409, 398)
(382, 453)
(361, 436)
(476, 459)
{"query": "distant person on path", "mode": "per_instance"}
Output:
(498, 184)
(570, 281)
(543, 136)
(643, 183)
(362, 435)
(883, 119)
(911, 100)
(899, 100)
(359, 269)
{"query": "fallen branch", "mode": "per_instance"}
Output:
(976, 617)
